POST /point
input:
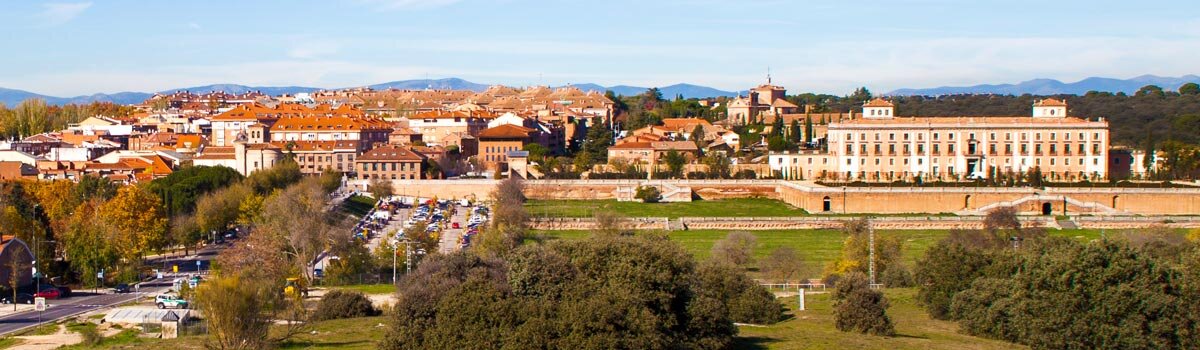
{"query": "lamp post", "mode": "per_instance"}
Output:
(37, 248)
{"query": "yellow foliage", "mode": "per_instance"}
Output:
(1194, 235)
(138, 219)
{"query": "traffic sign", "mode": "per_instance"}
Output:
(175, 268)
(39, 304)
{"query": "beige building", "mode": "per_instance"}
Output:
(881, 146)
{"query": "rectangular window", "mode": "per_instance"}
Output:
(1052, 136)
(950, 148)
(935, 136)
(891, 149)
(891, 137)
(877, 149)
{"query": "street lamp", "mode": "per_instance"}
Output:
(37, 248)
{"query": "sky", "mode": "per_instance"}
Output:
(78, 48)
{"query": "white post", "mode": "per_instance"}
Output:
(801, 308)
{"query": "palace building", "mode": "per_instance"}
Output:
(881, 146)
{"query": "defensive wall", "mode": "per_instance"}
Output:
(814, 198)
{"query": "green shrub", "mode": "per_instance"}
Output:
(343, 304)
(859, 308)
(648, 194)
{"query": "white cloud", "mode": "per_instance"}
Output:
(58, 13)
(193, 25)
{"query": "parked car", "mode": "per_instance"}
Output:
(22, 298)
(49, 292)
(63, 291)
(164, 301)
(121, 288)
(454, 225)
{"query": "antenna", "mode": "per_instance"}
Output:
(871, 258)
(768, 75)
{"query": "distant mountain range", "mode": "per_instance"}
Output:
(11, 97)
(1055, 87)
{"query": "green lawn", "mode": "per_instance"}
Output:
(817, 248)
(350, 334)
(9, 342)
(814, 329)
(737, 207)
(384, 288)
(358, 205)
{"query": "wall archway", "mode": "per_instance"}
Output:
(827, 204)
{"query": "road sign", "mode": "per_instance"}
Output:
(175, 268)
(39, 304)
(197, 263)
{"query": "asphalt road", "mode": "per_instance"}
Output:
(82, 301)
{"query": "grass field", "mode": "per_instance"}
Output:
(738, 207)
(817, 248)
(814, 329)
(348, 334)
(358, 205)
(368, 288)
(809, 329)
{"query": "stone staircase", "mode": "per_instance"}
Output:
(669, 192)
(1068, 224)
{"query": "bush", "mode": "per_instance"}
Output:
(648, 194)
(746, 301)
(605, 292)
(745, 174)
(736, 248)
(1098, 295)
(343, 304)
(858, 308)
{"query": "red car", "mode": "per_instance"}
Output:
(455, 225)
(49, 293)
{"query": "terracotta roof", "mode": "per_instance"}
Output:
(686, 124)
(782, 103)
(391, 153)
(330, 123)
(1050, 102)
(879, 102)
(659, 145)
(188, 141)
(506, 131)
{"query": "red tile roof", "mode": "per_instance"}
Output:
(391, 153)
(506, 131)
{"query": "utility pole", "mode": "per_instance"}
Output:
(871, 254)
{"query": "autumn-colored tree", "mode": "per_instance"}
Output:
(137, 217)
(86, 241)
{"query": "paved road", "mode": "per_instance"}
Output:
(83, 301)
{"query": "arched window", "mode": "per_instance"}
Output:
(828, 204)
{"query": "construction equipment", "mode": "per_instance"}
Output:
(295, 288)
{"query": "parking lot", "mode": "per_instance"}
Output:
(454, 222)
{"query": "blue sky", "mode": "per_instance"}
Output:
(72, 48)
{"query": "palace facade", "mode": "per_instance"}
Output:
(881, 146)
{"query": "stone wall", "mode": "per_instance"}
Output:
(849, 200)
